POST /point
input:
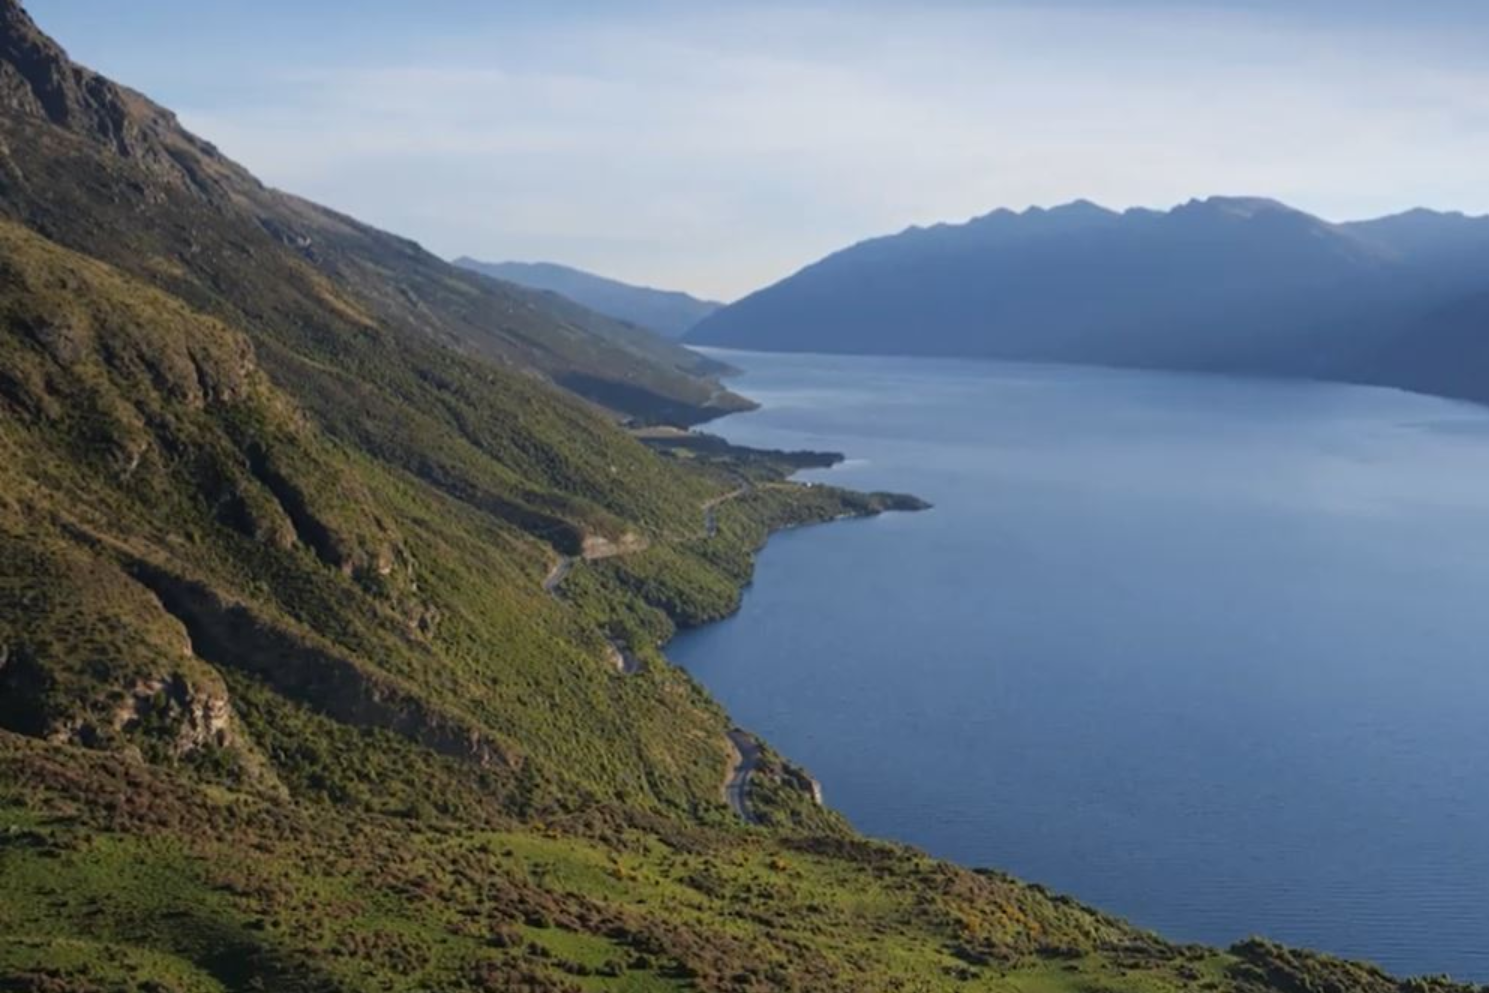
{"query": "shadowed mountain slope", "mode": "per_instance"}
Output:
(1241, 285)
(667, 312)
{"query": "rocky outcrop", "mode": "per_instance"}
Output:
(800, 780)
(187, 716)
(600, 547)
(193, 717)
(38, 80)
(309, 527)
(231, 635)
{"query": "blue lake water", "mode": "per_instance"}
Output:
(1209, 653)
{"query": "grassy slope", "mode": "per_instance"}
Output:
(149, 450)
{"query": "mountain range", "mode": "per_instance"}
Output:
(667, 312)
(333, 580)
(1226, 284)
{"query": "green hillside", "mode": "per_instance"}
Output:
(331, 591)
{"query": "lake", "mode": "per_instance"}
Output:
(1209, 653)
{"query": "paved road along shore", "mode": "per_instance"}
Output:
(746, 758)
(743, 746)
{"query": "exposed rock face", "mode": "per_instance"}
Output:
(195, 717)
(190, 717)
(168, 708)
(36, 77)
(39, 80)
(799, 779)
(229, 634)
(600, 547)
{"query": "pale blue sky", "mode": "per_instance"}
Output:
(717, 147)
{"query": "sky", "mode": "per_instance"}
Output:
(717, 147)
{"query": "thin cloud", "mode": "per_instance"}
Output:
(718, 150)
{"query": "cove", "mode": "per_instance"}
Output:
(1208, 653)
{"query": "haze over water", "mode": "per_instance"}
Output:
(1208, 653)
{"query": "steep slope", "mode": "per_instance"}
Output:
(1227, 284)
(78, 153)
(172, 520)
(285, 705)
(667, 312)
(217, 443)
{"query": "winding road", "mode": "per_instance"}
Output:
(711, 506)
(744, 748)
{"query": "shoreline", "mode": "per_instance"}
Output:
(745, 748)
(1233, 944)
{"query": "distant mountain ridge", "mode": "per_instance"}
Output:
(1231, 284)
(667, 312)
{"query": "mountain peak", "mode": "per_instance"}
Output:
(1425, 215)
(38, 79)
(1239, 206)
(1077, 212)
(42, 87)
(1425, 212)
(1081, 208)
